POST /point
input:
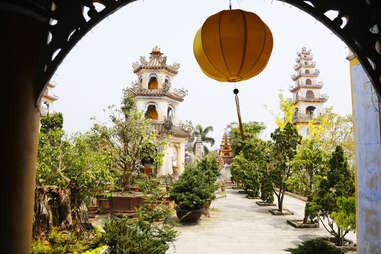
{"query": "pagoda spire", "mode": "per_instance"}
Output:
(226, 151)
(307, 98)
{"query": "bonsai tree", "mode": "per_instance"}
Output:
(283, 152)
(192, 190)
(129, 141)
(311, 164)
(69, 172)
(331, 201)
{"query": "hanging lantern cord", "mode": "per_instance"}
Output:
(236, 91)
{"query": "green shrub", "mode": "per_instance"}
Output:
(251, 183)
(95, 251)
(193, 189)
(125, 236)
(315, 246)
(267, 194)
(60, 242)
(39, 247)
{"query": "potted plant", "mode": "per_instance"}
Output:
(151, 232)
(131, 141)
(209, 165)
(191, 192)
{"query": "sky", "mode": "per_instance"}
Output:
(93, 75)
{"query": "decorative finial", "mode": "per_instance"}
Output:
(156, 51)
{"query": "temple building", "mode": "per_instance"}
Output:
(159, 101)
(47, 100)
(226, 151)
(306, 91)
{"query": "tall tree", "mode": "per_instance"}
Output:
(203, 132)
(310, 164)
(251, 131)
(334, 130)
(331, 196)
(284, 150)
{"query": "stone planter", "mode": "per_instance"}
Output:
(263, 203)
(187, 217)
(125, 206)
(284, 212)
(299, 224)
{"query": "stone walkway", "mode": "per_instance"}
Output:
(237, 225)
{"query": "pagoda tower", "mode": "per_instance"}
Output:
(306, 91)
(159, 101)
(47, 100)
(226, 150)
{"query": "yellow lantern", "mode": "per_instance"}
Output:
(233, 45)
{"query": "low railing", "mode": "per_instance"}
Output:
(299, 117)
(297, 86)
(298, 74)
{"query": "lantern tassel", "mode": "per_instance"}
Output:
(235, 91)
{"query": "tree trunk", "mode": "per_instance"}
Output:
(45, 216)
(79, 214)
(306, 210)
(280, 201)
(65, 208)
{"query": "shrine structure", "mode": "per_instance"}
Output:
(159, 101)
(306, 92)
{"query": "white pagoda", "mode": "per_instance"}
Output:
(47, 101)
(306, 91)
(159, 101)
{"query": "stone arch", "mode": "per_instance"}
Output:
(308, 82)
(310, 94)
(307, 71)
(151, 112)
(310, 110)
(153, 84)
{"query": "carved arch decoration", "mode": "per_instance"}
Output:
(357, 23)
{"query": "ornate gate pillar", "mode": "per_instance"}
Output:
(20, 61)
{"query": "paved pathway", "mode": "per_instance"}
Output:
(238, 226)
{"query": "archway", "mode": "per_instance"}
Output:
(153, 84)
(151, 112)
(34, 73)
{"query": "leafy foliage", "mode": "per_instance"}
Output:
(72, 163)
(283, 152)
(196, 185)
(334, 130)
(151, 232)
(251, 131)
(332, 195)
(129, 141)
(61, 242)
(267, 193)
(51, 122)
(315, 246)
(310, 163)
